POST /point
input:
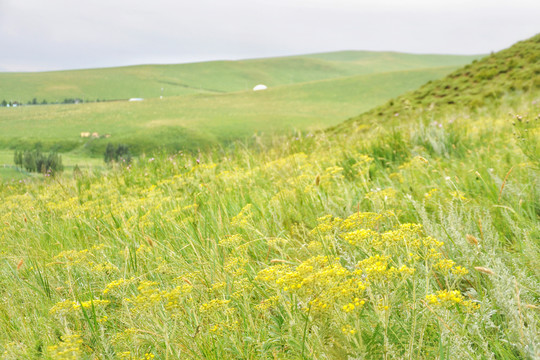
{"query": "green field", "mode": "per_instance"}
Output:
(199, 120)
(204, 104)
(10, 172)
(146, 81)
(389, 237)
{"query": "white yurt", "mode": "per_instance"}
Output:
(260, 87)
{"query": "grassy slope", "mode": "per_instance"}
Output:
(243, 254)
(514, 69)
(201, 119)
(218, 76)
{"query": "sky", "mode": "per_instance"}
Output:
(44, 35)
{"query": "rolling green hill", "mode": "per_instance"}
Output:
(146, 81)
(198, 120)
(516, 69)
(417, 239)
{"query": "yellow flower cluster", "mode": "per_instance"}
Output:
(231, 241)
(241, 288)
(458, 195)
(326, 224)
(444, 265)
(272, 273)
(445, 298)
(116, 284)
(68, 349)
(430, 193)
(150, 295)
(348, 330)
(215, 305)
(65, 307)
(361, 220)
(235, 265)
(243, 217)
(72, 256)
(377, 269)
(172, 297)
(103, 268)
(359, 236)
(320, 282)
(376, 257)
(267, 304)
(221, 326)
(357, 303)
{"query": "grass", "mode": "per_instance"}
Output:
(197, 121)
(10, 173)
(205, 104)
(302, 248)
(515, 69)
(411, 237)
(209, 77)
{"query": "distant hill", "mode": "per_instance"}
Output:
(197, 120)
(147, 81)
(511, 70)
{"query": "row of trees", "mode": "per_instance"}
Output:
(38, 162)
(35, 101)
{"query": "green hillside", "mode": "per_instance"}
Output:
(399, 237)
(199, 120)
(516, 69)
(146, 81)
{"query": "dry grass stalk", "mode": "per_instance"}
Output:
(472, 240)
(484, 270)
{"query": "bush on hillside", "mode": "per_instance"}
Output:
(119, 154)
(38, 162)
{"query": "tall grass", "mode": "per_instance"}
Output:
(416, 242)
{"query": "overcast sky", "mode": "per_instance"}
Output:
(40, 35)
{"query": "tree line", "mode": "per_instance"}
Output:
(35, 101)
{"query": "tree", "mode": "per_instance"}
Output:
(123, 154)
(120, 154)
(109, 153)
(36, 161)
(29, 161)
(18, 158)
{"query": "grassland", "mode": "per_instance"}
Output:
(516, 69)
(418, 242)
(408, 237)
(197, 121)
(9, 172)
(204, 104)
(209, 77)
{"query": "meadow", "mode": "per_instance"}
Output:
(408, 236)
(147, 81)
(416, 242)
(203, 104)
(198, 121)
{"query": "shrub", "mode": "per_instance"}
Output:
(120, 154)
(38, 162)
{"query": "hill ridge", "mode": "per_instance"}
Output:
(516, 68)
(147, 81)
